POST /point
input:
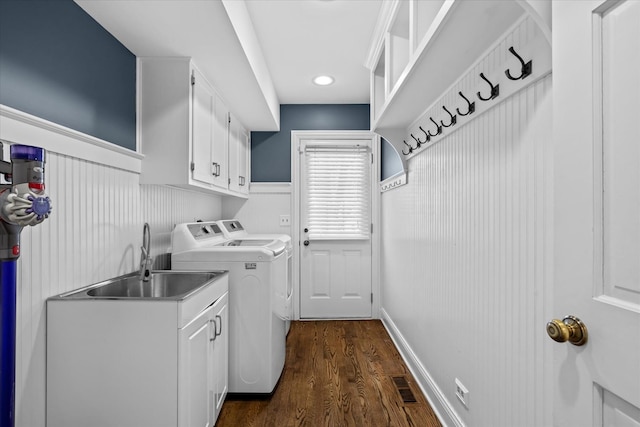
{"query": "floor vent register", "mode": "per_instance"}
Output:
(403, 388)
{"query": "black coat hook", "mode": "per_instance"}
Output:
(417, 141)
(410, 149)
(471, 106)
(438, 127)
(525, 69)
(495, 90)
(452, 118)
(426, 135)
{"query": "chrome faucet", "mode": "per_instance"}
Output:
(145, 257)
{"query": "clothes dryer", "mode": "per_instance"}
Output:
(257, 270)
(233, 229)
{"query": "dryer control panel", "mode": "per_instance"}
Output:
(201, 231)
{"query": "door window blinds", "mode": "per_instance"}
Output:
(338, 192)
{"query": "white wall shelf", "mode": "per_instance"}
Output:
(528, 41)
(398, 50)
(448, 39)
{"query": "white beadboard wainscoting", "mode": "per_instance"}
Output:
(465, 261)
(93, 233)
(261, 212)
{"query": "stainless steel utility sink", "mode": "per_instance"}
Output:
(162, 284)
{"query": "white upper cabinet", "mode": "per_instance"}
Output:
(203, 168)
(220, 144)
(184, 128)
(239, 157)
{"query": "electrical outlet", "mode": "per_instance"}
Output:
(462, 393)
(285, 220)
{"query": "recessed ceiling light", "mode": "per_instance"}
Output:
(323, 80)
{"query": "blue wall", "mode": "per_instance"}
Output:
(58, 63)
(271, 151)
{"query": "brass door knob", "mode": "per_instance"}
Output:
(568, 329)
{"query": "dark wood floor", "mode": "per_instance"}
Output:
(337, 373)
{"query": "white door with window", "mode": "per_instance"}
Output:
(335, 224)
(597, 212)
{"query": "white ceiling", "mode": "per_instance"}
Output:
(301, 39)
(291, 42)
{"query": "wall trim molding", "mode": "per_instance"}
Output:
(441, 406)
(270, 188)
(385, 17)
(22, 128)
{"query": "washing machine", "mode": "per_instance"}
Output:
(233, 229)
(257, 309)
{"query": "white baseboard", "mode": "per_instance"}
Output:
(441, 406)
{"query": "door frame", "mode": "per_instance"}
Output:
(296, 137)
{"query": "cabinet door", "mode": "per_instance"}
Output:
(243, 161)
(238, 157)
(219, 157)
(195, 380)
(220, 354)
(203, 98)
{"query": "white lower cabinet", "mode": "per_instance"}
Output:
(203, 360)
(221, 356)
(138, 363)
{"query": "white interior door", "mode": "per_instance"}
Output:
(597, 210)
(335, 228)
